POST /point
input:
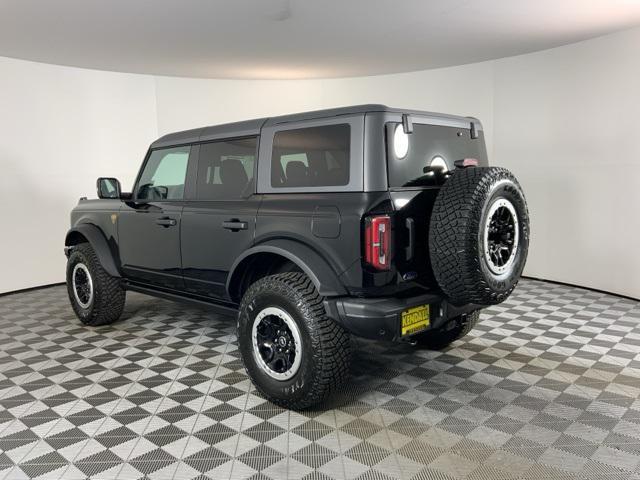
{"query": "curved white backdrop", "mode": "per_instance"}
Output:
(563, 120)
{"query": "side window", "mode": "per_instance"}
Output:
(225, 169)
(311, 157)
(164, 174)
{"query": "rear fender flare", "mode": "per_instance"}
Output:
(99, 244)
(310, 262)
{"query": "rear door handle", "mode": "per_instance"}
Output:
(412, 238)
(166, 222)
(235, 225)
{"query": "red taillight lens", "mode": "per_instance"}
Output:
(377, 242)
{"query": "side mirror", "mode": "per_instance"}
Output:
(108, 188)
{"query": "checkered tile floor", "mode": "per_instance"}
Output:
(547, 386)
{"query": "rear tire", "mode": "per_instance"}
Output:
(294, 354)
(97, 298)
(453, 330)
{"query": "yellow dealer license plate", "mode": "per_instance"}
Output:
(415, 319)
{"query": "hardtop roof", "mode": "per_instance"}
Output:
(253, 127)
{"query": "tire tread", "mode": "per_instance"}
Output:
(332, 346)
(453, 236)
(109, 296)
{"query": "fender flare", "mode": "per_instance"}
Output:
(310, 262)
(99, 244)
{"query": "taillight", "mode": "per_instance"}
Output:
(377, 241)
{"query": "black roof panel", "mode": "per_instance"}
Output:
(253, 127)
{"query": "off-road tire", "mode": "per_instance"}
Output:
(456, 243)
(326, 347)
(108, 294)
(453, 330)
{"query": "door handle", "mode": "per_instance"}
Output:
(410, 223)
(235, 225)
(166, 222)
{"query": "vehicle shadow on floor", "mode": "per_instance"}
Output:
(379, 370)
(395, 375)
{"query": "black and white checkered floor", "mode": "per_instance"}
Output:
(547, 386)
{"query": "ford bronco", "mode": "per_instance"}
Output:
(370, 221)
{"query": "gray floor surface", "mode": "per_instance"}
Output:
(547, 386)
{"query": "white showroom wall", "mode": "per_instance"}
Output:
(188, 103)
(563, 120)
(61, 128)
(566, 123)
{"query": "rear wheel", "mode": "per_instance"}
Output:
(453, 330)
(97, 298)
(294, 354)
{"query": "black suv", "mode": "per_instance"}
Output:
(367, 220)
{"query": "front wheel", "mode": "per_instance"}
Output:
(97, 298)
(294, 354)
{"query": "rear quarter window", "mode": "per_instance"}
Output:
(311, 157)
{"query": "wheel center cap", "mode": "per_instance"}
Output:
(282, 341)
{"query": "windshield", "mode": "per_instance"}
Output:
(423, 157)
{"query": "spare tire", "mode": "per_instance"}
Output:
(479, 235)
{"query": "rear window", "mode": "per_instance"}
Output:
(422, 157)
(225, 169)
(311, 157)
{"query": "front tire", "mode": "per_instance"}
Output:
(294, 354)
(97, 298)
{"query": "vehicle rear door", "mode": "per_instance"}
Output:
(418, 164)
(149, 224)
(220, 223)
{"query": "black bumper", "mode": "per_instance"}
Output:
(380, 318)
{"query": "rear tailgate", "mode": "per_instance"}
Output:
(418, 165)
(411, 230)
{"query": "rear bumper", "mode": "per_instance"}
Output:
(380, 318)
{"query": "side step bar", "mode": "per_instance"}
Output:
(226, 309)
